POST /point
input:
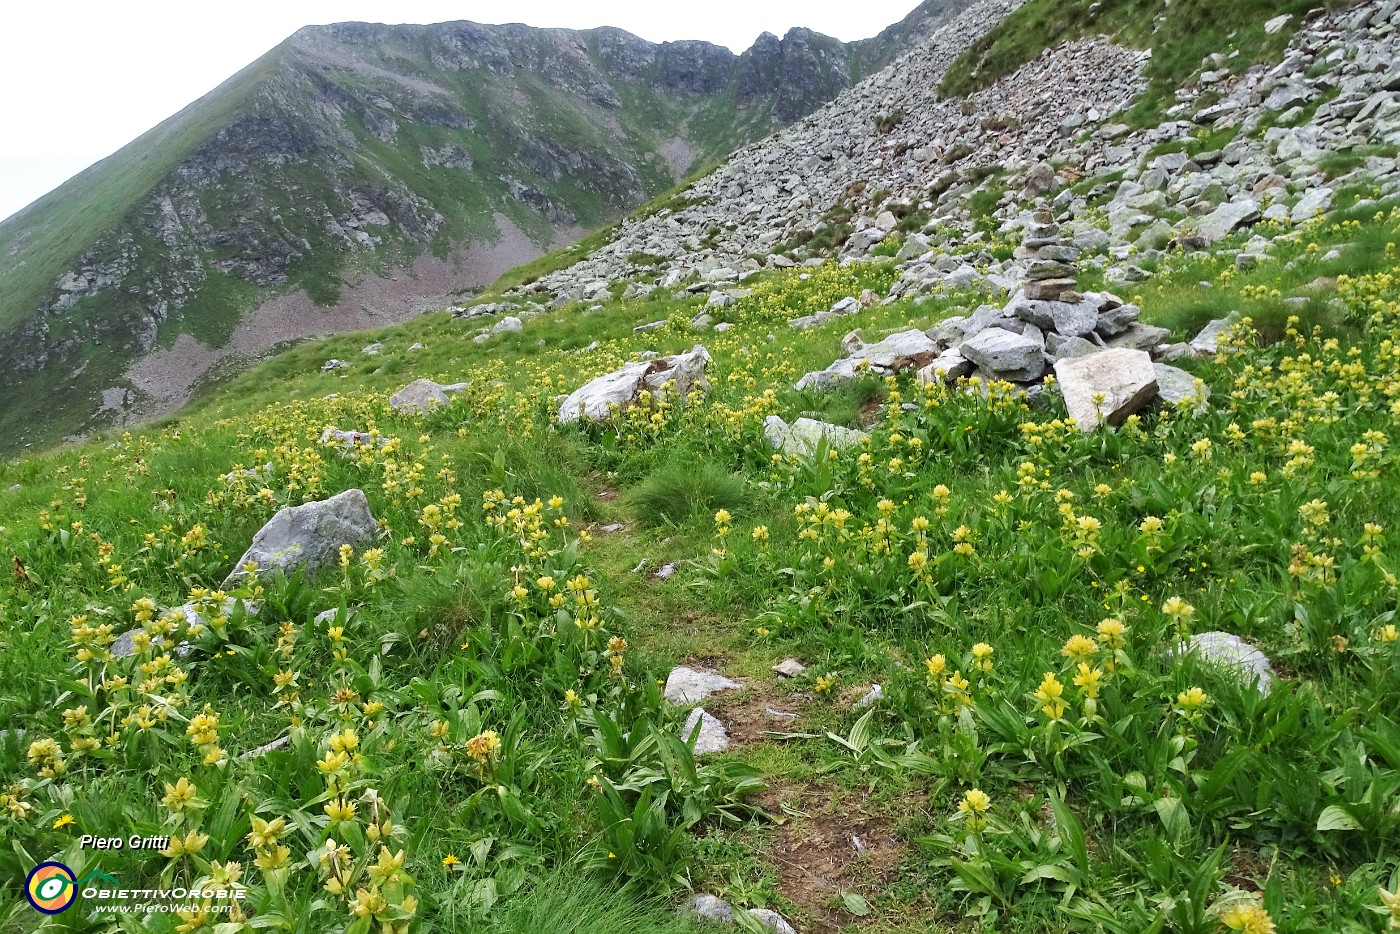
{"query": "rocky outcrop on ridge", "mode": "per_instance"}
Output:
(889, 150)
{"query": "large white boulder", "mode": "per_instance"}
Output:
(596, 400)
(1106, 387)
(422, 396)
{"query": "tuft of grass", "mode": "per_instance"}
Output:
(574, 906)
(682, 489)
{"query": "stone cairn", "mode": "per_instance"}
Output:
(1051, 272)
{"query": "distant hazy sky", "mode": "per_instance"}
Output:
(79, 79)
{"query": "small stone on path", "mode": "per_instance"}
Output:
(789, 668)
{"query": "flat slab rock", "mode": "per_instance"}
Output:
(1068, 320)
(1221, 222)
(897, 352)
(789, 668)
(1123, 378)
(309, 536)
(596, 400)
(125, 644)
(1010, 356)
(713, 737)
(804, 435)
(689, 686)
(839, 373)
(1229, 651)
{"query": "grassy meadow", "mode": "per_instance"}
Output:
(475, 737)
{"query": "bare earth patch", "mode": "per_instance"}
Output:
(820, 857)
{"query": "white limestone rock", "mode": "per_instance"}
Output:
(1178, 387)
(1124, 378)
(713, 737)
(688, 686)
(1206, 343)
(897, 352)
(596, 400)
(1234, 654)
(789, 668)
(771, 920)
(422, 396)
(804, 435)
(309, 536)
(1013, 357)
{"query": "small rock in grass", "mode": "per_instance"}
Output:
(264, 749)
(771, 920)
(1232, 652)
(789, 668)
(875, 693)
(712, 738)
(709, 908)
(688, 686)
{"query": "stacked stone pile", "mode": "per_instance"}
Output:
(1050, 273)
(1107, 363)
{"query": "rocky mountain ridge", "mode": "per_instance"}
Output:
(357, 175)
(889, 163)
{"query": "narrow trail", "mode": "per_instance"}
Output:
(832, 842)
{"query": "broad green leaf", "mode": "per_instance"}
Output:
(855, 904)
(1334, 817)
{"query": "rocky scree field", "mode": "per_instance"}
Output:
(402, 629)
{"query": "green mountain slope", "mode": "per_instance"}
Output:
(356, 151)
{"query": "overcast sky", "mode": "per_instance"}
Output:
(79, 78)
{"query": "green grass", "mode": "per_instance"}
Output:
(573, 906)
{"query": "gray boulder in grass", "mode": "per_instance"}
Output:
(1228, 651)
(309, 536)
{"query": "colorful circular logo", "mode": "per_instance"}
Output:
(51, 888)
